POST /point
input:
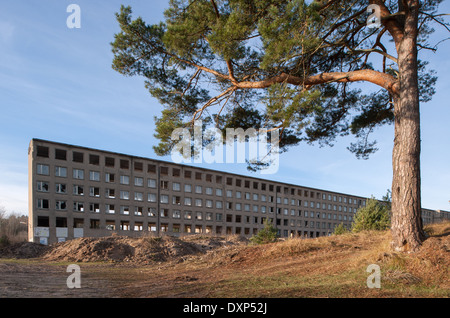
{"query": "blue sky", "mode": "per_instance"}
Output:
(57, 83)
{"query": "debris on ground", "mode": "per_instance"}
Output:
(140, 250)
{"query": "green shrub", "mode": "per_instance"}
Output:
(267, 235)
(374, 216)
(340, 229)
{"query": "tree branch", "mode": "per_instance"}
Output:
(389, 21)
(381, 79)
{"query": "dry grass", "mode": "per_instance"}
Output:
(322, 267)
(327, 267)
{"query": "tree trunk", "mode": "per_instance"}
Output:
(406, 228)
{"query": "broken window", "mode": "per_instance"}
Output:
(138, 211)
(110, 225)
(176, 214)
(94, 192)
(164, 185)
(176, 200)
(124, 210)
(151, 168)
(110, 208)
(152, 227)
(110, 193)
(124, 164)
(78, 190)
(94, 224)
(164, 227)
(43, 221)
(78, 206)
(42, 186)
(198, 229)
(164, 171)
(110, 162)
(138, 226)
(151, 212)
(94, 159)
(176, 172)
(61, 222)
(138, 166)
(60, 188)
(42, 151)
(77, 157)
(42, 204)
(164, 213)
(60, 154)
(78, 223)
(94, 207)
(60, 205)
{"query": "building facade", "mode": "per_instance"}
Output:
(82, 192)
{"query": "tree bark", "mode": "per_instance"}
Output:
(406, 228)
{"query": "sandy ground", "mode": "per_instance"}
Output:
(202, 267)
(109, 267)
(36, 280)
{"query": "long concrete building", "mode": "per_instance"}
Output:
(82, 192)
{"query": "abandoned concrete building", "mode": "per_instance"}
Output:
(82, 192)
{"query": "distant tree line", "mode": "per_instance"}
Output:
(13, 228)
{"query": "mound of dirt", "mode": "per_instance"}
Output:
(133, 250)
(23, 250)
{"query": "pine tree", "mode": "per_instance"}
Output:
(266, 235)
(291, 66)
(373, 216)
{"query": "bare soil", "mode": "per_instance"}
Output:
(200, 266)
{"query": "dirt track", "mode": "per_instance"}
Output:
(45, 280)
(39, 278)
(199, 267)
(110, 267)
